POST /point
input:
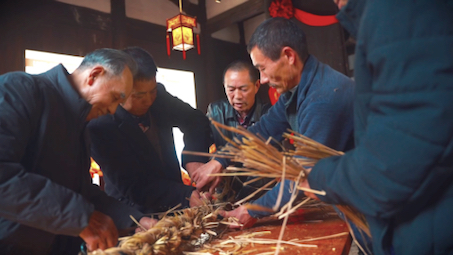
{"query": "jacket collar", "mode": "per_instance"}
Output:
(79, 107)
(308, 73)
(129, 126)
(230, 114)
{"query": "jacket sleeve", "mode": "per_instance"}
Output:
(330, 121)
(125, 170)
(403, 158)
(274, 123)
(326, 121)
(192, 122)
(119, 212)
(28, 198)
(212, 112)
(209, 112)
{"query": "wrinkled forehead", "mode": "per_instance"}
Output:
(258, 58)
(238, 84)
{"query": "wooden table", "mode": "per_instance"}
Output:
(307, 223)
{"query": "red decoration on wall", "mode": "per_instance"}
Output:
(285, 9)
(273, 95)
(198, 44)
(314, 20)
(281, 8)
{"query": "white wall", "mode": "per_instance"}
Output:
(37, 62)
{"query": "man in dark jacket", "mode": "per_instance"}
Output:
(243, 108)
(400, 174)
(135, 148)
(46, 195)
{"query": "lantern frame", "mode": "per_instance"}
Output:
(181, 27)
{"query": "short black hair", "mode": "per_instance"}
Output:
(273, 34)
(240, 65)
(113, 60)
(146, 66)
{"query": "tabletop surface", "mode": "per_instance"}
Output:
(320, 222)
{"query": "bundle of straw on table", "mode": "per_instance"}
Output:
(185, 230)
(262, 160)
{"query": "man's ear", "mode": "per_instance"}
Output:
(290, 54)
(257, 85)
(95, 72)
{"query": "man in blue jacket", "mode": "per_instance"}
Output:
(46, 196)
(135, 147)
(315, 100)
(400, 174)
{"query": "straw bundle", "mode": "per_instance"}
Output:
(186, 230)
(260, 160)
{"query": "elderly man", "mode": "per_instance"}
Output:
(135, 147)
(243, 108)
(47, 198)
(316, 100)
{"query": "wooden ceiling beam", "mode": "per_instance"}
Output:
(234, 15)
(188, 7)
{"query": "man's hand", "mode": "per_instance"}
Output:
(147, 223)
(242, 215)
(196, 199)
(192, 167)
(201, 176)
(305, 184)
(101, 232)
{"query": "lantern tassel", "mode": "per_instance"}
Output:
(182, 41)
(168, 45)
(198, 44)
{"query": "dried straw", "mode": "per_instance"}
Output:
(261, 160)
(171, 234)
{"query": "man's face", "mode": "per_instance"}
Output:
(240, 90)
(278, 74)
(107, 91)
(143, 95)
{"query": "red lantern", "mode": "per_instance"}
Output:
(181, 27)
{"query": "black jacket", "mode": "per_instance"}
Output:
(45, 186)
(132, 168)
(222, 112)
